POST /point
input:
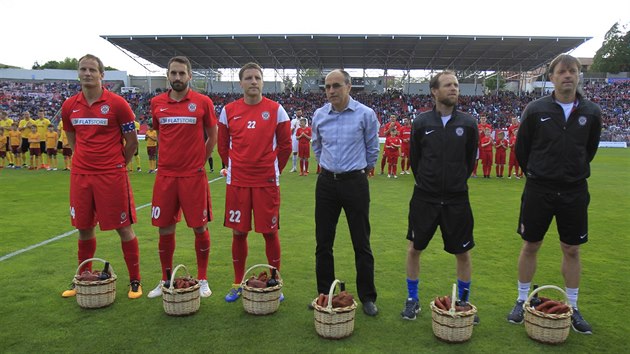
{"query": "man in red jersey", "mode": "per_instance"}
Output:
(181, 116)
(255, 145)
(482, 126)
(514, 126)
(393, 123)
(405, 135)
(96, 123)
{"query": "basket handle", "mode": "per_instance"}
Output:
(453, 299)
(259, 266)
(171, 286)
(330, 294)
(564, 294)
(111, 269)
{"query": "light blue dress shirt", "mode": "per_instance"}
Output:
(345, 141)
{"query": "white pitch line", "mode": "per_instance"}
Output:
(66, 234)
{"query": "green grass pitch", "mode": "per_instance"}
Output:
(34, 208)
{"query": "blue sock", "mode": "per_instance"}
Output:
(412, 288)
(461, 285)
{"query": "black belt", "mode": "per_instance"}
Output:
(340, 176)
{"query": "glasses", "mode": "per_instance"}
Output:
(336, 85)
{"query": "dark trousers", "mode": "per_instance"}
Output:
(351, 193)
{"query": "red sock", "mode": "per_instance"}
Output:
(166, 248)
(501, 169)
(202, 248)
(496, 169)
(383, 160)
(306, 166)
(87, 249)
(475, 168)
(131, 252)
(402, 164)
(239, 256)
(272, 249)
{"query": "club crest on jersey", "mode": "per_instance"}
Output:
(582, 121)
(105, 109)
(192, 107)
(459, 131)
(265, 115)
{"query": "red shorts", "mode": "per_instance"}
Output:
(263, 201)
(67, 152)
(404, 150)
(35, 151)
(109, 193)
(304, 151)
(51, 152)
(15, 149)
(152, 151)
(499, 157)
(172, 195)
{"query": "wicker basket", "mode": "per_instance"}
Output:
(180, 302)
(261, 301)
(547, 328)
(95, 294)
(452, 326)
(334, 323)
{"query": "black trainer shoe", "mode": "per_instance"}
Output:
(517, 314)
(579, 324)
(412, 307)
(476, 320)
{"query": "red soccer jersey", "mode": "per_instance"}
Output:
(180, 127)
(485, 143)
(405, 134)
(254, 142)
(304, 140)
(98, 132)
(392, 145)
(512, 128)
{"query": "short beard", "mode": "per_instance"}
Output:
(448, 102)
(178, 86)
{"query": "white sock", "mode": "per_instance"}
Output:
(523, 290)
(294, 161)
(572, 295)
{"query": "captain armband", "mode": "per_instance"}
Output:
(128, 127)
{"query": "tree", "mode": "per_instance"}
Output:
(491, 82)
(66, 64)
(614, 55)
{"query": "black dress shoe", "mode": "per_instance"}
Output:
(370, 308)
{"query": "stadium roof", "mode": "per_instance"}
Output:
(402, 52)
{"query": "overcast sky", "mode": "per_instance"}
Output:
(43, 30)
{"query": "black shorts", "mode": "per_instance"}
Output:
(570, 210)
(59, 145)
(25, 146)
(455, 221)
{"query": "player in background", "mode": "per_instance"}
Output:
(25, 128)
(42, 124)
(405, 136)
(482, 128)
(255, 145)
(51, 147)
(501, 145)
(303, 135)
(15, 140)
(152, 146)
(485, 152)
(295, 124)
(513, 162)
(392, 151)
(393, 123)
(181, 116)
(3, 146)
(6, 123)
(96, 122)
(34, 148)
(136, 157)
(65, 147)
(513, 127)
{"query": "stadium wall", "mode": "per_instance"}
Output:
(56, 74)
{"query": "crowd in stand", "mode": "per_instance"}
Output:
(614, 98)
